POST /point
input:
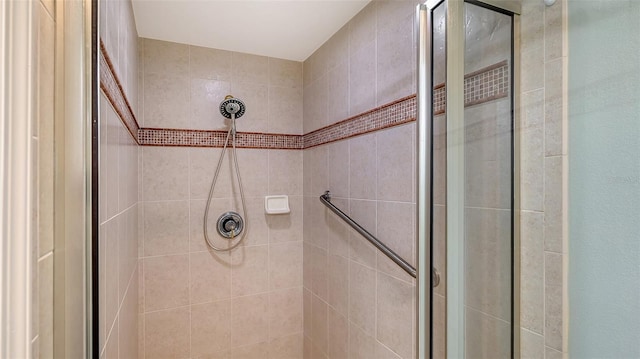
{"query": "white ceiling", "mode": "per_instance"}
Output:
(289, 29)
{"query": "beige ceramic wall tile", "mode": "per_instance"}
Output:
(362, 78)
(166, 100)
(210, 328)
(395, 161)
(550, 353)
(361, 345)
(319, 329)
(285, 110)
(202, 167)
(318, 272)
(128, 163)
(553, 203)
(362, 28)
(45, 306)
(111, 346)
(315, 100)
(363, 167)
(165, 57)
(439, 327)
(394, 312)
(249, 273)
(531, 345)
(111, 270)
(338, 162)
(285, 172)
(127, 249)
(128, 322)
(250, 351)
(553, 107)
(532, 73)
(165, 173)
(532, 151)
(208, 63)
(485, 336)
(338, 283)
(210, 277)
(250, 68)
(362, 299)
(166, 227)
(319, 170)
(249, 320)
(554, 317)
(306, 311)
(285, 312)
(338, 336)
(488, 271)
(289, 347)
(553, 32)
(285, 73)
(285, 265)
(167, 334)
(166, 282)
(253, 171)
(395, 61)
(113, 167)
(338, 92)
(532, 271)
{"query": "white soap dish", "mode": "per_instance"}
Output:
(276, 204)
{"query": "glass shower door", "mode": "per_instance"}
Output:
(466, 179)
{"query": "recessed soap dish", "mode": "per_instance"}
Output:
(276, 204)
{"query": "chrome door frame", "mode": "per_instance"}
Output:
(455, 193)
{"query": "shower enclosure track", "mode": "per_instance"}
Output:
(326, 200)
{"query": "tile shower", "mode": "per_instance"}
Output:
(302, 284)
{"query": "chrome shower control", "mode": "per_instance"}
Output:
(230, 225)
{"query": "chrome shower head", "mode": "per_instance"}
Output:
(232, 106)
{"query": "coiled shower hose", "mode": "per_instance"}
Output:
(231, 133)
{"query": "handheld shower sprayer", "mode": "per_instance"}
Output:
(230, 224)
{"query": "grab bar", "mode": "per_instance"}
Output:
(326, 200)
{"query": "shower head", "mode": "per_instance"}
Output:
(232, 106)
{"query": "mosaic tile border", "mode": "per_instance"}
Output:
(393, 114)
(112, 88)
(484, 85)
(200, 138)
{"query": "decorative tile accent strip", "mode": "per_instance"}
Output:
(487, 84)
(114, 92)
(393, 114)
(199, 138)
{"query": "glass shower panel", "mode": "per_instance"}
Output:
(488, 183)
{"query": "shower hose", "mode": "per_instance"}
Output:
(230, 134)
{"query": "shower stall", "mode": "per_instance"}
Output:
(395, 146)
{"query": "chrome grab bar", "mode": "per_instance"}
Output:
(326, 200)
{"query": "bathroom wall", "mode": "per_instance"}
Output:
(357, 303)
(197, 302)
(605, 179)
(543, 176)
(118, 187)
(43, 163)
